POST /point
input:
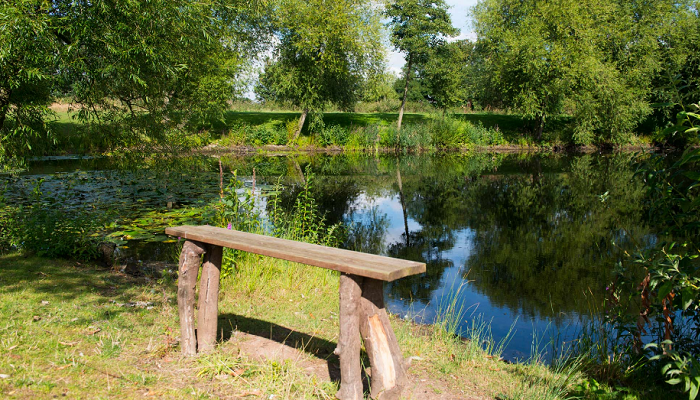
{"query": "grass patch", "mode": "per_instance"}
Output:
(88, 332)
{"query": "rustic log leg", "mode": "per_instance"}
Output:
(349, 340)
(208, 312)
(186, 282)
(388, 370)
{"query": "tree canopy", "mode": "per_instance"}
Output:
(595, 60)
(417, 28)
(323, 52)
(144, 67)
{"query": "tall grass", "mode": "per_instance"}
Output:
(436, 133)
(242, 209)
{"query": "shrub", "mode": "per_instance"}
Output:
(333, 135)
(49, 229)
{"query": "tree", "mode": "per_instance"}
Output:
(324, 50)
(595, 60)
(154, 67)
(28, 61)
(148, 68)
(445, 74)
(417, 26)
(378, 86)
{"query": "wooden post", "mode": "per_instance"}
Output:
(186, 282)
(388, 370)
(349, 339)
(208, 312)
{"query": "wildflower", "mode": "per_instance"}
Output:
(229, 227)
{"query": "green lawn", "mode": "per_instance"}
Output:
(83, 331)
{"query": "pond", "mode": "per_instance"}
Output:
(524, 242)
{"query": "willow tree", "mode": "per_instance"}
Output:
(445, 74)
(595, 60)
(159, 66)
(28, 61)
(324, 49)
(417, 28)
(144, 69)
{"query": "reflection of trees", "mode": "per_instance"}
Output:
(543, 240)
(367, 234)
(434, 199)
(542, 236)
(426, 245)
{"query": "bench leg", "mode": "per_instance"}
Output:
(208, 312)
(186, 282)
(349, 340)
(388, 368)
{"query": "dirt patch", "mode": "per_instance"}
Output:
(421, 385)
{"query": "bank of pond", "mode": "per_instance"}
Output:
(523, 245)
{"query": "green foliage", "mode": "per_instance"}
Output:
(49, 230)
(323, 51)
(418, 26)
(333, 135)
(28, 62)
(135, 70)
(445, 74)
(378, 87)
(239, 209)
(236, 212)
(594, 60)
(681, 368)
(304, 221)
(664, 279)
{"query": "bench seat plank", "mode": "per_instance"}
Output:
(347, 261)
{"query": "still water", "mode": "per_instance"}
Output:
(524, 242)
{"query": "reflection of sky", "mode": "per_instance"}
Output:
(506, 324)
(389, 205)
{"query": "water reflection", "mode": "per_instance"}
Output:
(531, 235)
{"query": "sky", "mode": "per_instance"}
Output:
(459, 10)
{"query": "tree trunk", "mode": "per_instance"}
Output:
(403, 201)
(301, 124)
(186, 282)
(540, 126)
(405, 94)
(349, 339)
(385, 357)
(4, 103)
(209, 299)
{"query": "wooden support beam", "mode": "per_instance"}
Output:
(388, 369)
(208, 308)
(349, 339)
(187, 280)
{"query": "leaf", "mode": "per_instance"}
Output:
(665, 289)
(662, 105)
(674, 381)
(694, 175)
(687, 297)
(693, 391)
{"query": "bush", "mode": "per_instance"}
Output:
(49, 229)
(415, 136)
(333, 135)
(663, 281)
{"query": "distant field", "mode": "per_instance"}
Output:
(70, 135)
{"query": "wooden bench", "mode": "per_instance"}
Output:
(362, 313)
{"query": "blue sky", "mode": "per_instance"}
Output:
(459, 10)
